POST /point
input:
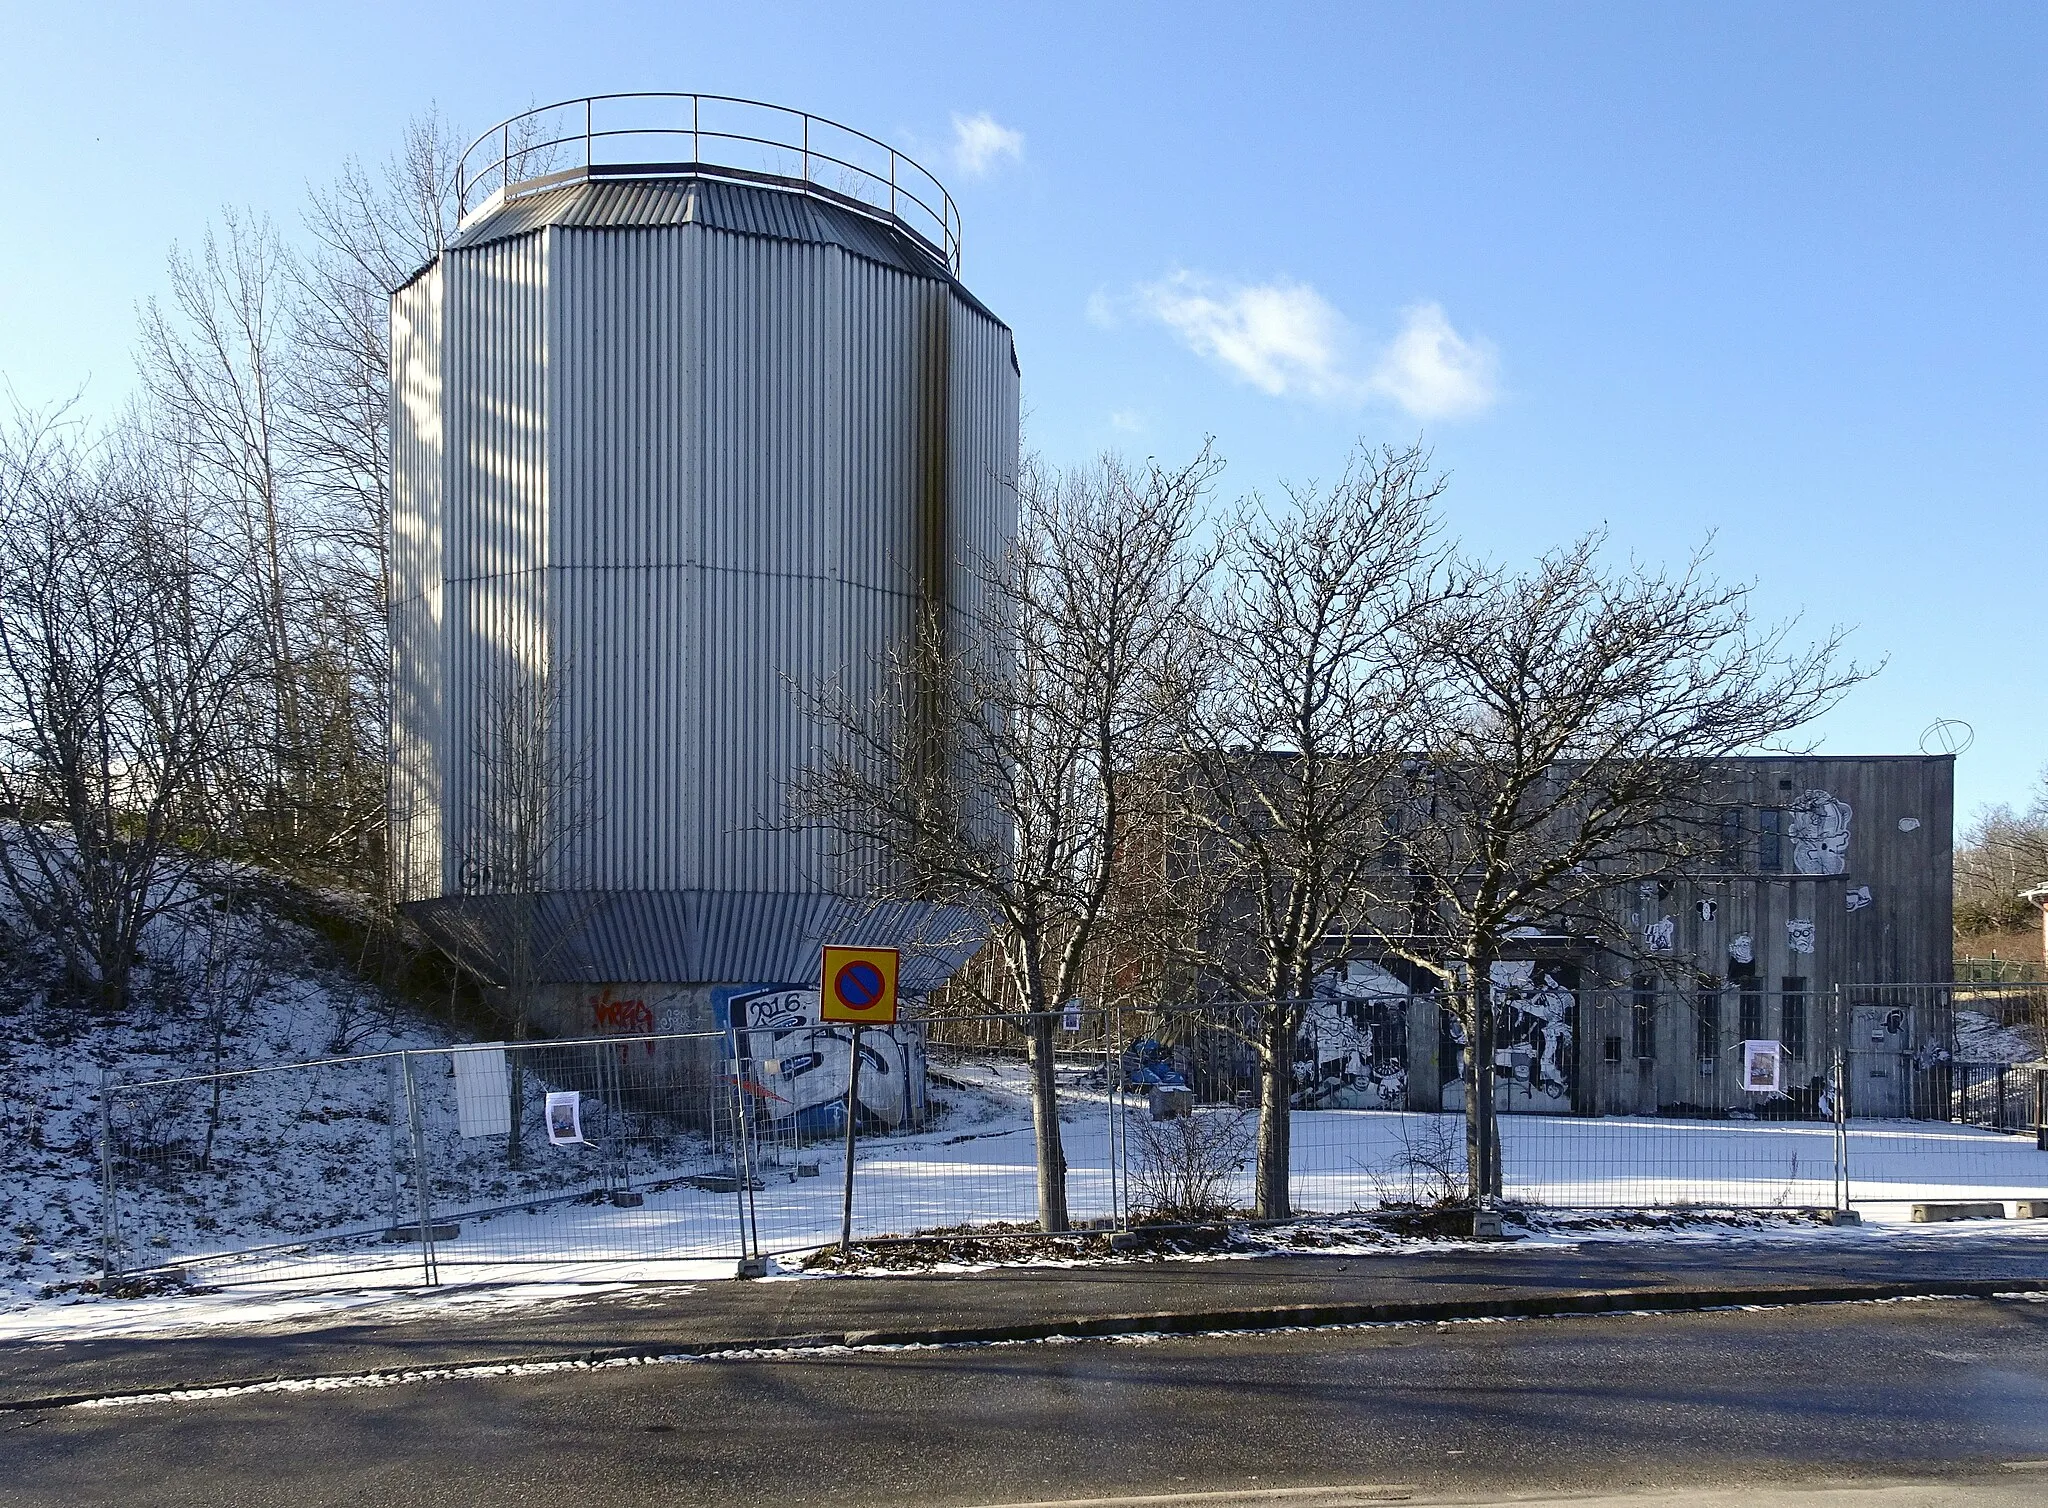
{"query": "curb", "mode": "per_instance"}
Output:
(1534, 1306)
(1182, 1322)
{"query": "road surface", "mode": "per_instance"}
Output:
(1949, 1394)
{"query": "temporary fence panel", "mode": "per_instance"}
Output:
(628, 1152)
(1940, 1089)
(306, 1169)
(410, 1160)
(675, 1155)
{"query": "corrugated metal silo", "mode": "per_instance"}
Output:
(670, 439)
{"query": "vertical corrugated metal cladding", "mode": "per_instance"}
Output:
(415, 590)
(699, 471)
(495, 402)
(982, 460)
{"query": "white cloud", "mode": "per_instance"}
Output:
(980, 142)
(1286, 339)
(1282, 338)
(1128, 421)
(1434, 372)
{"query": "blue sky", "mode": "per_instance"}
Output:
(1770, 272)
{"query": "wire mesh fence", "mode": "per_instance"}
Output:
(1945, 1088)
(679, 1154)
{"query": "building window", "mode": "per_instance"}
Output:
(1645, 1012)
(1708, 1007)
(1770, 844)
(1731, 839)
(1612, 1047)
(1752, 1007)
(1792, 1014)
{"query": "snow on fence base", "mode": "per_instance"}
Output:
(410, 1163)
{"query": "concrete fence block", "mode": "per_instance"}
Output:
(1990, 1209)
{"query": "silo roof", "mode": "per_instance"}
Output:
(748, 209)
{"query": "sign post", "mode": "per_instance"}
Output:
(858, 988)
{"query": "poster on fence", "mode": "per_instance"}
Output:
(1761, 1067)
(565, 1117)
(483, 1090)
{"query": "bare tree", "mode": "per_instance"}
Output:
(267, 368)
(239, 960)
(1307, 690)
(994, 772)
(529, 810)
(372, 229)
(1573, 722)
(2003, 855)
(213, 364)
(120, 654)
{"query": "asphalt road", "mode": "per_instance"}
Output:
(423, 1327)
(1931, 1391)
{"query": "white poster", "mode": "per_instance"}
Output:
(1661, 935)
(1800, 935)
(1070, 1016)
(1708, 908)
(1859, 898)
(565, 1117)
(483, 1090)
(1741, 948)
(1761, 1067)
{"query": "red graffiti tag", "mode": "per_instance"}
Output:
(623, 1018)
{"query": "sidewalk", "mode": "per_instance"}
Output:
(416, 1330)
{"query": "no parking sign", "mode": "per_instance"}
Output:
(859, 986)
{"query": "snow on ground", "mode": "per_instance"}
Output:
(310, 1151)
(1983, 1039)
(477, 1290)
(239, 987)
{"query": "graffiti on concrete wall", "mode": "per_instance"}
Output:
(614, 1016)
(621, 1016)
(800, 1063)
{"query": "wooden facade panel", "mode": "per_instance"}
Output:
(1846, 828)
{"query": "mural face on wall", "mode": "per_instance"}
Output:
(1534, 1019)
(1352, 1053)
(1818, 825)
(805, 1089)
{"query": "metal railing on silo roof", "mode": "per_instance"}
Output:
(750, 140)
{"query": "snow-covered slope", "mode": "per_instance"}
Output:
(229, 985)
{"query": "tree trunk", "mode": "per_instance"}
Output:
(1270, 1191)
(1482, 1134)
(515, 1085)
(1045, 1123)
